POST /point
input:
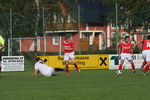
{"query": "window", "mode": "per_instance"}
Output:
(124, 34)
(55, 39)
(86, 36)
(125, 26)
(57, 19)
(133, 39)
(114, 26)
(70, 37)
(71, 18)
(113, 34)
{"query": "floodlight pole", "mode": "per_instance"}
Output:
(116, 6)
(79, 49)
(44, 49)
(10, 32)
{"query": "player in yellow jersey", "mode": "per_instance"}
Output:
(1, 49)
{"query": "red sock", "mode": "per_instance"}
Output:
(133, 66)
(146, 68)
(76, 66)
(67, 68)
(120, 67)
(144, 63)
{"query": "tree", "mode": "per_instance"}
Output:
(21, 16)
(27, 15)
(131, 13)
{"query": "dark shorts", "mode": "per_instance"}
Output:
(0, 55)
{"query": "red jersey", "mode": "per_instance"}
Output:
(68, 45)
(146, 45)
(125, 47)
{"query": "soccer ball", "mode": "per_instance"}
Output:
(119, 72)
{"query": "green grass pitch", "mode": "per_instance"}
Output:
(87, 85)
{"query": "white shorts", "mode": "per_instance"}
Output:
(68, 56)
(146, 55)
(126, 56)
(50, 72)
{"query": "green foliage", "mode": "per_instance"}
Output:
(24, 16)
(114, 41)
(23, 23)
(131, 13)
(137, 50)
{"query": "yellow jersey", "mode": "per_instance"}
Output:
(1, 40)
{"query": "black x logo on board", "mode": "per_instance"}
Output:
(103, 61)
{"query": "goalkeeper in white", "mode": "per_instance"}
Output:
(41, 67)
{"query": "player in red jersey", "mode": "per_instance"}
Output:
(125, 50)
(145, 54)
(69, 54)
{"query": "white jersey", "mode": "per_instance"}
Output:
(44, 69)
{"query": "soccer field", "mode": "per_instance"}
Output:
(87, 85)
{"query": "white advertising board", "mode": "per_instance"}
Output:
(12, 63)
(114, 62)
